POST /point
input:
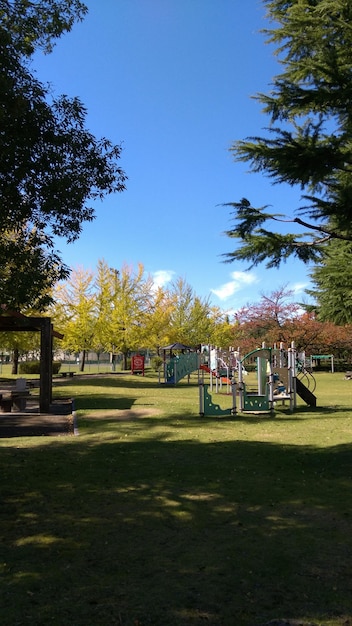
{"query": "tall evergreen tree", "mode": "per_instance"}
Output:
(309, 141)
(332, 284)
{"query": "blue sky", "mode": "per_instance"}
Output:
(172, 80)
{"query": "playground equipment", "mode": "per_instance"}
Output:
(278, 377)
(180, 366)
(279, 374)
(208, 407)
(220, 377)
(274, 380)
(221, 365)
(316, 358)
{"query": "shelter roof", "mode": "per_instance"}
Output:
(13, 321)
(177, 346)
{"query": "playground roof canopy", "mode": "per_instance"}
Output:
(177, 346)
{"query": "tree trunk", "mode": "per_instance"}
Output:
(83, 361)
(16, 355)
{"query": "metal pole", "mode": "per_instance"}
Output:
(234, 399)
(201, 399)
(240, 382)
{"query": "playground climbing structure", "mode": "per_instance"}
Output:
(208, 407)
(277, 376)
(220, 365)
(180, 366)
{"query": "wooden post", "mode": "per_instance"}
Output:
(45, 364)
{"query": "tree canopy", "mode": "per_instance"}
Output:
(37, 24)
(308, 143)
(28, 270)
(275, 319)
(122, 310)
(51, 167)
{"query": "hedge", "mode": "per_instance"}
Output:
(33, 367)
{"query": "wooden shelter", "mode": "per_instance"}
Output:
(12, 321)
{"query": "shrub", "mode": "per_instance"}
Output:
(33, 367)
(156, 363)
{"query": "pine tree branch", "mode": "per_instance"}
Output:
(258, 245)
(330, 234)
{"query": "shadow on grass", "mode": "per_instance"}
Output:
(175, 533)
(120, 380)
(301, 413)
(324, 412)
(308, 412)
(90, 381)
(93, 402)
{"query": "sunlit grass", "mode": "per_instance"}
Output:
(170, 518)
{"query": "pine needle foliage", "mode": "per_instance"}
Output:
(308, 142)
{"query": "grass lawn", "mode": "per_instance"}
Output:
(155, 515)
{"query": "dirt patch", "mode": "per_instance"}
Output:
(60, 421)
(122, 415)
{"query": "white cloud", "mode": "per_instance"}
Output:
(299, 287)
(239, 280)
(244, 277)
(162, 277)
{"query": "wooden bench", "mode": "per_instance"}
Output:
(65, 374)
(32, 384)
(5, 404)
(19, 400)
(16, 398)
